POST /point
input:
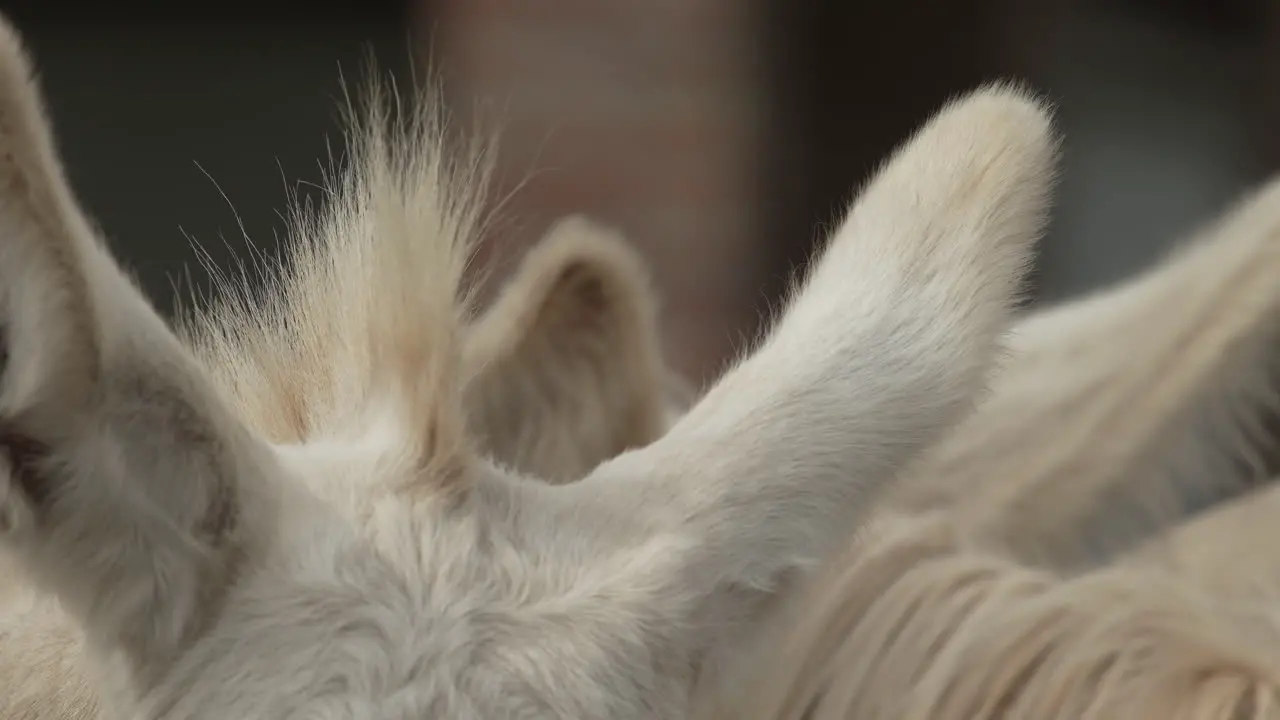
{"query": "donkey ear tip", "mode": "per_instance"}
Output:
(579, 229)
(584, 244)
(12, 49)
(1015, 93)
(1009, 106)
(1008, 129)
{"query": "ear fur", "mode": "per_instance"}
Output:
(1227, 550)
(568, 360)
(1120, 413)
(127, 489)
(888, 343)
(363, 319)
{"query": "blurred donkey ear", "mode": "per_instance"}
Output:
(568, 361)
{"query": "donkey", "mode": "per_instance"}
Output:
(569, 373)
(980, 589)
(287, 516)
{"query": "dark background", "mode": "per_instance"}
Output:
(1167, 108)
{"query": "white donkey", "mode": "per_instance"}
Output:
(289, 518)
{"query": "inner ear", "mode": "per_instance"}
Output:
(23, 454)
(568, 363)
(123, 472)
(582, 294)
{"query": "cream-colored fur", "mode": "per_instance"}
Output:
(1121, 412)
(287, 516)
(1229, 550)
(935, 612)
(570, 350)
(568, 364)
(925, 626)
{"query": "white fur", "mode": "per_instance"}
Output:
(567, 373)
(1107, 409)
(1125, 410)
(292, 519)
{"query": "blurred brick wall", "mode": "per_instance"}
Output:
(643, 114)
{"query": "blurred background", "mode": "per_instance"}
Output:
(722, 136)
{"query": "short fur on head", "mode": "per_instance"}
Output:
(1151, 389)
(287, 515)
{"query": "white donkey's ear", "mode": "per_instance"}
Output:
(888, 344)
(1128, 409)
(120, 471)
(568, 360)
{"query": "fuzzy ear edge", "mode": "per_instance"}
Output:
(568, 366)
(888, 344)
(101, 408)
(1122, 412)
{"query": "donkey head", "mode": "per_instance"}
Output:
(286, 514)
